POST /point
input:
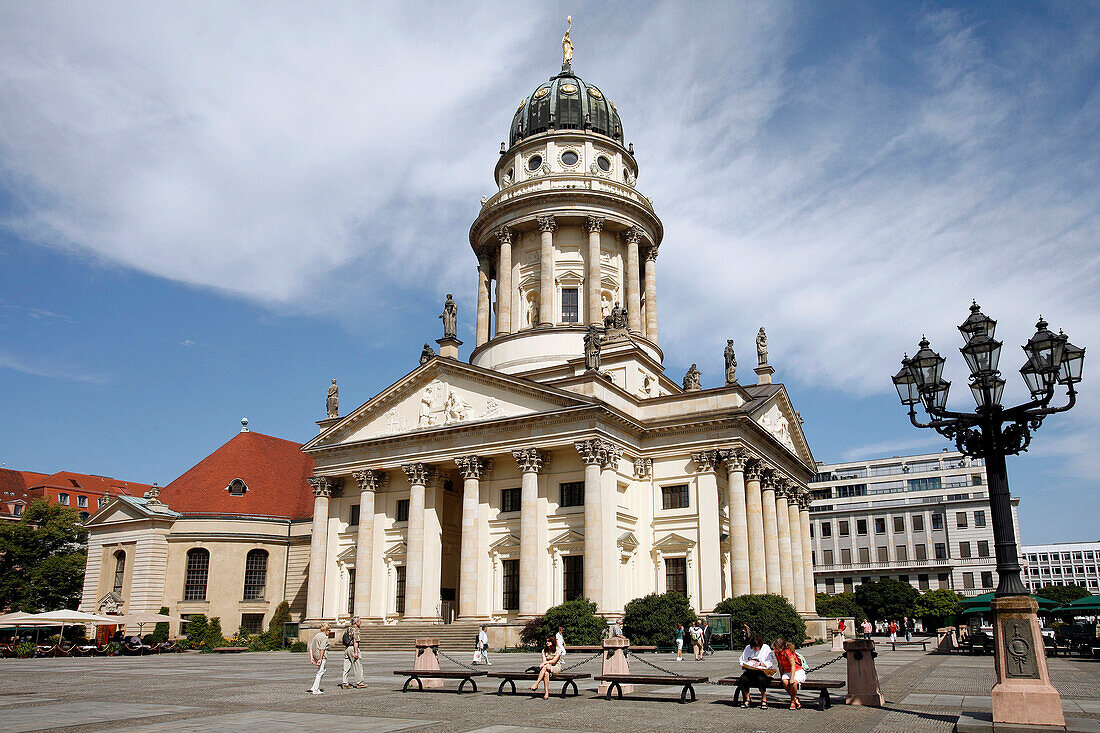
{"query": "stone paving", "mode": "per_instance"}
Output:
(195, 693)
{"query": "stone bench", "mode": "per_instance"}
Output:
(616, 682)
(895, 644)
(508, 678)
(824, 701)
(418, 674)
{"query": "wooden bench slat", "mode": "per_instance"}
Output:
(437, 673)
(534, 675)
(775, 684)
(650, 679)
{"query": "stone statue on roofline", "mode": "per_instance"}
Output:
(592, 349)
(332, 403)
(691, 379)
(731, 363)
(450, 318)
(762, 347)
(427, 354)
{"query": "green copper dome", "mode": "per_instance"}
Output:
(566, 102)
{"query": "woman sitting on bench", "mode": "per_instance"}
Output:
(790, 667)
(551, 665)
(757, 667)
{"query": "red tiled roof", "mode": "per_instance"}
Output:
(273, 469)
(88, 483)
(13, 486)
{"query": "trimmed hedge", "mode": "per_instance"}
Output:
(767, 615)
(652, 619)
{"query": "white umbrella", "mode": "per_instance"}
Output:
(146, 617)
(18, 618)
(66, 617)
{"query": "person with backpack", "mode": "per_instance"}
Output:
(352, 662)
(481, 654)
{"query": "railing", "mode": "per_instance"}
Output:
(556, 182)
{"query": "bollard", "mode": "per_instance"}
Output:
(427, 658)
(614, 662)
(863, 688)
(945, 640)
(838, 642)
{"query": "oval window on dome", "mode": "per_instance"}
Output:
(569, 88)
(604, 163)
(521, 103)
(593, 91)
(569, 158)
(542, 92)
(534, 163)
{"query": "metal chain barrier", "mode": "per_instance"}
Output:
(460, 664)
(655, 666)
(583, 661)
(826, 664)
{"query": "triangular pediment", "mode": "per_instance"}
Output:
(568, 537)
(627, 541)
(673, 541)
(128, 509)
(508, 541)
(778, 417)
(444, 393)
(396, 550)
(347, 556)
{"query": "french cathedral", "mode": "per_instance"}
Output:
(558, 460)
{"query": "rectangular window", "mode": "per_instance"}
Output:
(402, 510)
(571, 494)
(830, 586)
(922, 582)
(964, 550)
(921, 551)
(826, 529)
(861, 527)
(676, 574)
(944, 580)
(850, 491)
(848, 585)
(968, 581)
(937, 521)
(941, 550)
(901, 553)
(880, 525)
(983, 548)
(960, 520)
(351, 591)
(979, 518)
(63, 499)
(827, 557)
(918, 522)
(509, 500)
(198, 567)
(903, 578)
(570, 310)
(811, 531)
(865, 580)
(510, 584)
(865, 554)
(924, 484)
(846, 556)
(987, 579)
(353, 516)
(101, 501)
(842, 527)
(674, 497)
(883, 554)
(184, 618)
(82, 501)
(400, 588)
(253, 623)
(899, 524)
(572, 576)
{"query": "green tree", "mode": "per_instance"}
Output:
(934, 607)
(887, 599)
(578, 616)
(273, 637)
(197, 630)
(42, 559)
(768, 615)
(1062, 593)
(214, 637)
(652, 619)
(840, 605)
(160, 631)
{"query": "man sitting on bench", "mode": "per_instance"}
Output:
(551, 664)
(757, 665)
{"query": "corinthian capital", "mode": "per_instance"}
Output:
(370, 479)
(594, 224)
(473, 466)
(633, 235)
(504, 235)
(547, 223)
(706, 461)
(419, 473)
(598, 452)
(530, 460)
(643, 468)
(323, 485)
(651, 253)
(734, 458)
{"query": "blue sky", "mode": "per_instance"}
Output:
(208, 214)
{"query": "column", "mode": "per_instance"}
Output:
(631, 237)
(504, 282)
(783, 521)
(369, 481)
(593, 457)
(651, 293)
(755, 513)
(484, 268)
(530, 461)
(318, 545)
(418, 474)
(547, 310)
(593, 225)
(773, 583)
(807, 556)
(710, 566)
(469, 582)
(739, 521)
(797, 566)
(609, 522)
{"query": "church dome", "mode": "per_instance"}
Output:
(566, 102)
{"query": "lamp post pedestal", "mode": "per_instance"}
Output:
(1023, 694)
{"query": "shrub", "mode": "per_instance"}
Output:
(841, 605)
(768, 615)
(160, 631)
(1063, 593)
(934, 607)
(214, 636)
(298, 646)
(196, 630)
(578, 617)
(25, 650)
(652, 619)
(887, 599)
(258, 643)
(148, 640)
(531, 635)
(273, 637)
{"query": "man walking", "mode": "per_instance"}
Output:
(707, 634)
(697, 640)
(483, 644)
(352, 662)
(615, 631)
(318, 650)
(560, 639)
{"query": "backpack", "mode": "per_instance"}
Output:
(801, 660)
(346, 640)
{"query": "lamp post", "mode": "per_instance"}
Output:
(1023, 694)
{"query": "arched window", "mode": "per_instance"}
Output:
(198, 568)
(255, 575)
(120, 571)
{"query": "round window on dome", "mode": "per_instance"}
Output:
(594, 92)
(534, 162)
(569, 158)
(542, 92)
(604, 163)
(569, 88)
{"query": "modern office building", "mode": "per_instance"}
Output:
(922, 519)
(1063, 563)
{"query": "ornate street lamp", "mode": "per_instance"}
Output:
(992, 432)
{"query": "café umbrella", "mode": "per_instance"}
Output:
(145, 617)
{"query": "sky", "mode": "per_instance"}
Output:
(209, 210)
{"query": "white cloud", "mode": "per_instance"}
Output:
(50, 369)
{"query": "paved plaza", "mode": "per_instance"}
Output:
(193, 693)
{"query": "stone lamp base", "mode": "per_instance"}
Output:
(1023, 694)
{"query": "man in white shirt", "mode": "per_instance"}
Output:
(318, 651)
(560, 639)
(483, 644)
(757, 666)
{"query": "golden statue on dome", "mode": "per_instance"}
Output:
(567, 43)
